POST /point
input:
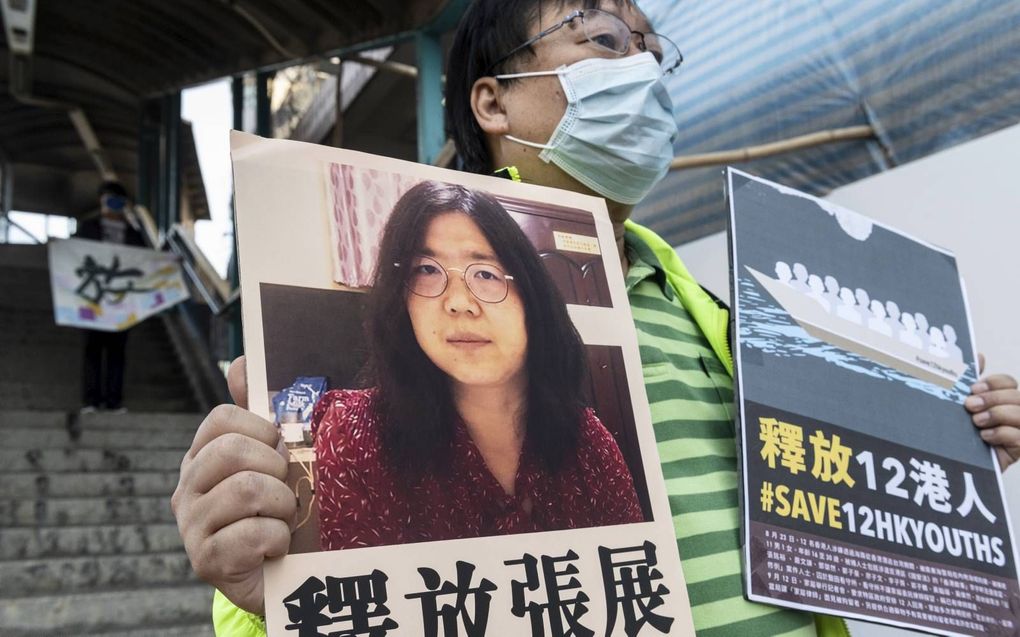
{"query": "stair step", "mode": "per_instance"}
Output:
(69, 485)
(25, 438)
(204, 629)
(78, 574)
(70, 541)
(103, 510)
(160, 368)
(131, 421)
(153, 389)
(134, 400)
(88, 460)
(90, 613)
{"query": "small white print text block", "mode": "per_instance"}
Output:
(570, 242)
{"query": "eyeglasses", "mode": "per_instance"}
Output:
(429, 278)
(609, 33)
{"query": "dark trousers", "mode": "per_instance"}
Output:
(103, 379)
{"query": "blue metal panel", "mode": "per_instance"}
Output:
(147, 187)
(263, 114)
(169, 211)
(431, 136)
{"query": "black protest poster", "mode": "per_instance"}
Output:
(866, 490)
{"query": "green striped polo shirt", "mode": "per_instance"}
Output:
(691, 396)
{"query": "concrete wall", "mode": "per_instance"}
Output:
(966, 199)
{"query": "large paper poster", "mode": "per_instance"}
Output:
(480, 284)
(867, 492)
(110, 287)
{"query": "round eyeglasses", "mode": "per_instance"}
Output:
(610, 33)
(429, 278)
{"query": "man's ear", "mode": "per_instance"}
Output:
(487, 106)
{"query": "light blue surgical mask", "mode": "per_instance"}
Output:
(616, 136)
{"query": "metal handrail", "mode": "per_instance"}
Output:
(219, 298)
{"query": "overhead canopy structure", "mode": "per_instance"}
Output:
(106, 57)
(923, 75)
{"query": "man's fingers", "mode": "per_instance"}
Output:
(228, 454)
(993, 382)
(1005, 437)
(224, 419)
(998, 416)
(237, 381)
(235, 551)
(992, 398)
(242, 495)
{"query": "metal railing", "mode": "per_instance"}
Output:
(198, 332)
(211, 287)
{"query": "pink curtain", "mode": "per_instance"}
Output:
(362, 200)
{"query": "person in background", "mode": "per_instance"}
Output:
(569, 95)
(103, 372)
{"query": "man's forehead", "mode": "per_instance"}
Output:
(552, 12)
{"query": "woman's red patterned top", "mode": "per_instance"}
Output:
(363, 503)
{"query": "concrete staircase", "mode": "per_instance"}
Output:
(88, 544)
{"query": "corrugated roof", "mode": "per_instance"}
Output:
(925, 75)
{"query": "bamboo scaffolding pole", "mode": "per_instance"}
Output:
(684, 162)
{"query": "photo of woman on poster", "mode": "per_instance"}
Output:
(473, 423)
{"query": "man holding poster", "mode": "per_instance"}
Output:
(516, 69)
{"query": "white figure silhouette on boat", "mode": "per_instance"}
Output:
(877, 330)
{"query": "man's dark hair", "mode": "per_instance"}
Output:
(112, 188)
(489, 30)
(416, 405)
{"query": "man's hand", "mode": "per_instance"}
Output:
(994, 405)
(232, 506)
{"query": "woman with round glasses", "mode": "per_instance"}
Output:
(475, 424)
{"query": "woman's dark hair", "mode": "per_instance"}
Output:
(415, 399)
(489, 30)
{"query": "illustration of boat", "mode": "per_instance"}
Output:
(888, 351)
